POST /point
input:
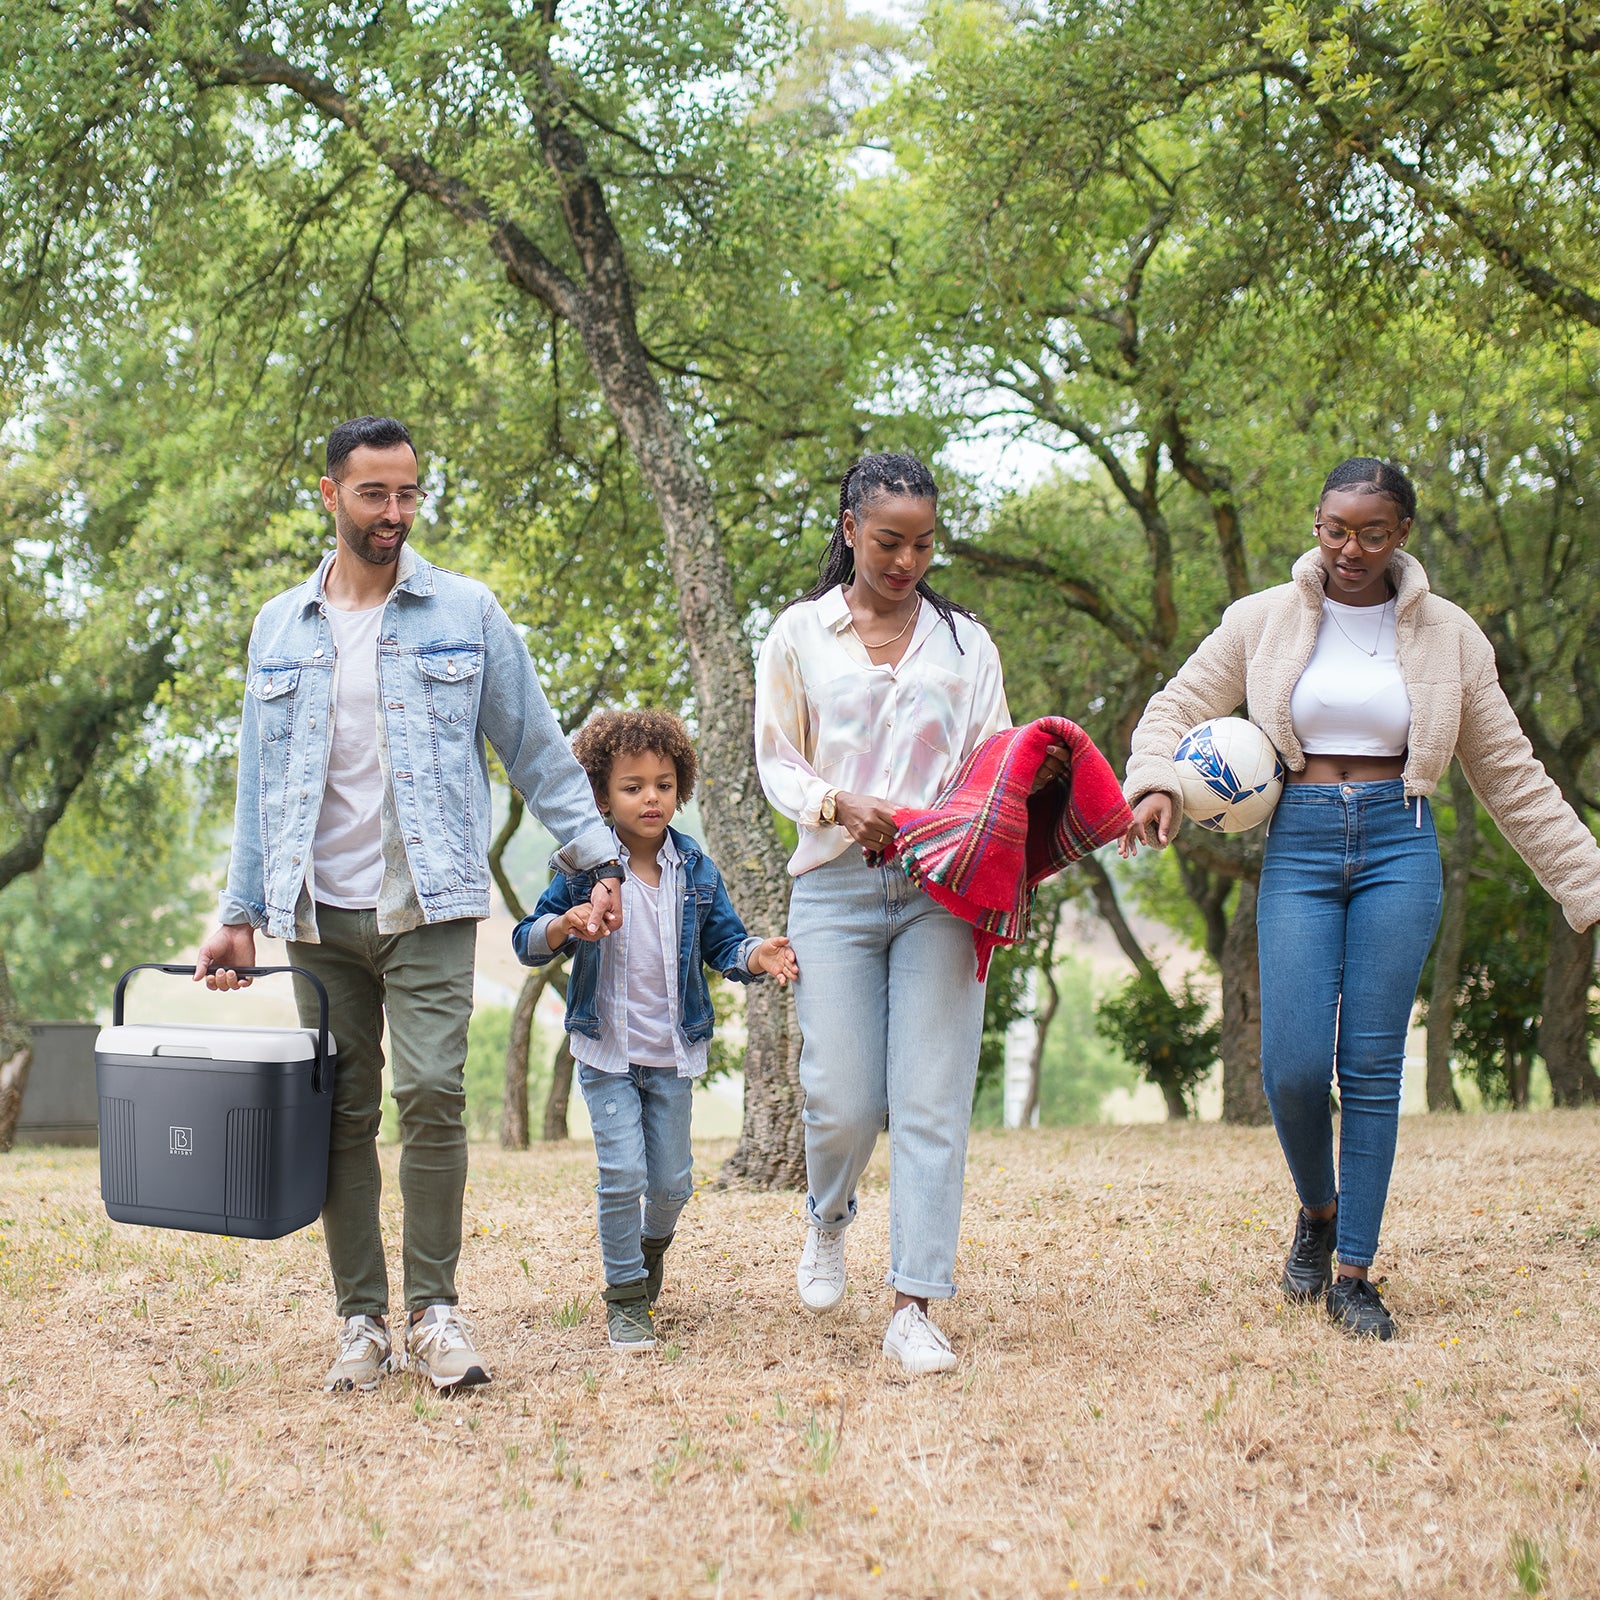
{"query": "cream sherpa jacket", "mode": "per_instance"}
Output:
(1263, 645)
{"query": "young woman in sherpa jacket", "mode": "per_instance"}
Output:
(1368, 684)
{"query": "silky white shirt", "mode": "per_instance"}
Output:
(828, 718)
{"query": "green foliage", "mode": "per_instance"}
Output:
(1079, 1067)
(121, 883)
(1504, 950)
(1165, 1035)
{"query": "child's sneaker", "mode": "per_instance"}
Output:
(655, 1253)
(628, 1319)
(363, 1357)
(439, 1346)
(916, 1344)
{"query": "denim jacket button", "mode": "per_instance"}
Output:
(315, 654)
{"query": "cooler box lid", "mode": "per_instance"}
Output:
(179, 1042)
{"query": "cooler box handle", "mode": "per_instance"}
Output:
(320, 1072)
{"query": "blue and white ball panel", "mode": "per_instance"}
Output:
(1230, 774)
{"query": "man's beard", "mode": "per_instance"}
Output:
(359, 540)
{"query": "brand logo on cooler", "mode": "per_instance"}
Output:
(180, 1141)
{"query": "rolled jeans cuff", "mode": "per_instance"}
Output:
(917, 1289)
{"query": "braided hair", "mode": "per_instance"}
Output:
(1375, 476)
(869, 479)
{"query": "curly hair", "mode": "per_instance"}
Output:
(609, 734)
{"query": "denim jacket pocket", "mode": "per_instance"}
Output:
(273, 688)
(449, 675)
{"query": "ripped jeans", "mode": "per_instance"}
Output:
(641, 1139)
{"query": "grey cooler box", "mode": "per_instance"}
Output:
(214, 1129)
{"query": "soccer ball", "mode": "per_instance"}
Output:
(1230, 775)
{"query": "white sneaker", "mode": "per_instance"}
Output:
(916, 1344)
(364, 1356)
(439, 1345)
(820, 1275)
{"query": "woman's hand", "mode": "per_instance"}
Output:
(1056, 764)
(869, 822)
(776, 958)
(1153, 809)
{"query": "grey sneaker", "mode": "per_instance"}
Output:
(439, 1345)
(364, 1356)
(655, 1254)
(628, 1318)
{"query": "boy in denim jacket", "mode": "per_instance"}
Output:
(638, 1008)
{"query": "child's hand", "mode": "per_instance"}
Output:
(584, 921)
(775, 956)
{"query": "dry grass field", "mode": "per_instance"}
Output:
(1136, 1412)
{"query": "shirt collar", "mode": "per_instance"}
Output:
(833, 610)
(668, 853)
(415, 577)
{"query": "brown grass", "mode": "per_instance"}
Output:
(1135, 1413)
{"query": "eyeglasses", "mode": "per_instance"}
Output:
(1371, 539)
(378, 499)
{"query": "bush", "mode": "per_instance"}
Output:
(1165, 1035)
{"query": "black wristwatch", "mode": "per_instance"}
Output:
(611, 869)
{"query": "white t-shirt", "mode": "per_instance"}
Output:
(1351, 699)
(649, 1017)
(347, 852)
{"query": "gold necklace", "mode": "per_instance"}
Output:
(916, 611)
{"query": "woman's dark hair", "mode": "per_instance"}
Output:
(377, 433)
(872, 478)
(1375, 476)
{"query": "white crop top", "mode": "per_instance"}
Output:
(1351, 699)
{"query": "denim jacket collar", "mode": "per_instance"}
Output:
(416, 577)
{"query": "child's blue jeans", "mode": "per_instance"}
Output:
(1349, 903)
(641, 1139)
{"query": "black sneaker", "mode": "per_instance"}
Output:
(1358, 1308)
(1309, 1270)
(655, 1251)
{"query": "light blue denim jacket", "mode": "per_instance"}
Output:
(452, 674)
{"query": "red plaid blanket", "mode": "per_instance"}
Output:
(986, 844)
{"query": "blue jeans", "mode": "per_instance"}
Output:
(641, 1139)
(891, 1014)
(1349, 904)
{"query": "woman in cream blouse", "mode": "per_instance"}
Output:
(871, 691)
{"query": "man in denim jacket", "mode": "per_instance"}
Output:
(361, 835)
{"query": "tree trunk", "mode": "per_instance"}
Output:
(1244, 1098)
(1177, 1106)
(1517, 1071)
(555, 1105)
(1442, 1094)
(1041, 1022)
(1564, 1019)
(514, 1096)
(16, 1058)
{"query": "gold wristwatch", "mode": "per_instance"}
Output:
(828, 811)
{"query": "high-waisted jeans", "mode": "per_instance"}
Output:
(1349, 903)
(891, 1014)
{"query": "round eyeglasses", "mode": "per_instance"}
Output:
(1372, 539)
(378, 499)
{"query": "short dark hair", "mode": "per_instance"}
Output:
(609, 734)
(378, 433)
(1377, 477)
